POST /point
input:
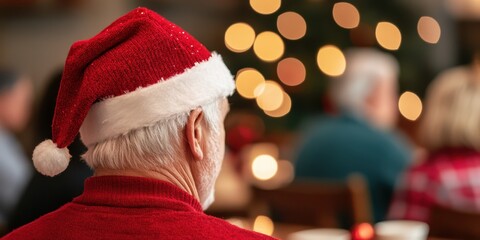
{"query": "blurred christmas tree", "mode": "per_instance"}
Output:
(324, 29)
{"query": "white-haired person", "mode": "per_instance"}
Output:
(149, 102)
(449, 130)
(360, 138)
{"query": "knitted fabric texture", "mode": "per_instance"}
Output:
(137, 50)
(120, 207)
(139, 70)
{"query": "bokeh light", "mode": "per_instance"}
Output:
(239, 37)
(291, 71)
(291, 25)
(263, 224)
(265, 7)
(264, 167)
(363, 231)
(346, 15)
(429, 29)
(247, 81)
(271, 97)
(284, 109)
(410, 105)
(268, 46)
(388, 35)
(284, 176)
(331, 60)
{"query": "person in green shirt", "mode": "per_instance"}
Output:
(360, 138)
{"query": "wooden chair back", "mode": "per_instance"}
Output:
(318, 203)
(454, 224)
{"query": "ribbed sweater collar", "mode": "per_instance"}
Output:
(135, 192)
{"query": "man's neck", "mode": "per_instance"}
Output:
(180, 175)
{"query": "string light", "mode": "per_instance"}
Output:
(264, 225)
(284, 109)
(346, 15)
(239, 37)
(331, 60)
(291, 25)
(268, 46)
(264, 167)
(291, 71)
(247, 81)
(388, 35)
(271, 97)
(265, 7)
(429, 30)
(410, 105)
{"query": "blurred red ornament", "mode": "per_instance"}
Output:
(363, 231)
(239, 136)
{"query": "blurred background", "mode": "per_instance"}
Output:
(282, 53)
(426, 37)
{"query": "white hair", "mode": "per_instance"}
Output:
(452, 111)
(150, 147)
(365, 68)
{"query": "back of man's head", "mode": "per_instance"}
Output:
(369, 79)
(129, 90)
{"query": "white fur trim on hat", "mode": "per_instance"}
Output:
(197, 86)
(50, 160)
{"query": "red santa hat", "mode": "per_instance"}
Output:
(137, 71)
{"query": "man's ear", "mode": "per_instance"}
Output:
(194, 131)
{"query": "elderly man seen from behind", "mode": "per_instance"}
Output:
(149, 102)
(360, 139)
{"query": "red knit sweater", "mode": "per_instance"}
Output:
(119, 207)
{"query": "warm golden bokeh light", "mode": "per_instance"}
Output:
(271, 97)
(284, 176)
(429, 29)
(247, 81)
(264, 167)
(284, 109)
(263, 224)
(388, 35)
(239, 37)
(346, 15)
(291, 25)
(291, 71)
(268, 46)
(331, 60)
(410, 105)
(265, 7)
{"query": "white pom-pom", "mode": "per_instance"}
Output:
(50, 160)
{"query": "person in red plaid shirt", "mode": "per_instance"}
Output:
(450, 132)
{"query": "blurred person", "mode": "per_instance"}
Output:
(360, 139)
(15, 106)
(449, 130)
(44, 194)
(149, 102)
